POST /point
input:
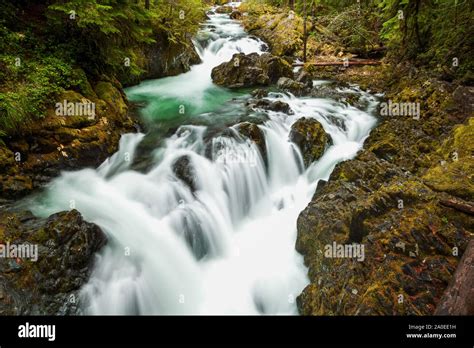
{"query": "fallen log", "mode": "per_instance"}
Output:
(348, 63)
(463, 206)
(458, 298)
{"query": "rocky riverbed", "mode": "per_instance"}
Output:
(37, 153)
(407, 197)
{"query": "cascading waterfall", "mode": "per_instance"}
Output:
(227, 245)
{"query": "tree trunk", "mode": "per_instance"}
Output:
(351, 62)
(305, 34)
(458, 298)
(292, 4)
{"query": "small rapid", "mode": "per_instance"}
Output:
(224, 244)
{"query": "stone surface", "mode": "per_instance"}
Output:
(292, 86)
(65, 253)
(392, 200)
(408, 237)
(250, 70)
(184, 171)
(277, 106)
(309, 135)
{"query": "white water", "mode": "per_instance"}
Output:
(229, 247)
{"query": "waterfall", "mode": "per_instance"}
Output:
(224, 244)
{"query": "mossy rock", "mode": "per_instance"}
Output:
(309, 135)
(66, 245)
(224, 9)
(255, 134)
(112, 96)
(408, 245)
(77, 121)
(15, 186)
(455, 172)
(248, 70)
(7, 158)
(283, 34)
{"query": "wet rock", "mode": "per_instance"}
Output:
(46, 282)
(252, 132)
(290, 85)
(15, 186)
(163, 58)
(309, 135)
(259, 93)
(305, 78)
(339, 92)
(266, 104)
(250, 70)
(235, 15)
(224, 9)
(184, 171)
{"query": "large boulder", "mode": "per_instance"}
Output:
(309, 135)
(57, 259)
(289, 85)
(250, 70)
(163, 58)
(266, 104)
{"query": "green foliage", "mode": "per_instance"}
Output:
(64, 44)
(426, 33)
(431, 33)
(30, 87)
(107, 32)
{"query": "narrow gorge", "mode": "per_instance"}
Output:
(216, 180)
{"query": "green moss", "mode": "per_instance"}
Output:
(112, 96)
(455, 174)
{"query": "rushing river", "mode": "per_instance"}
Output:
(228, 247)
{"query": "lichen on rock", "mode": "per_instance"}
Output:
(46, 283)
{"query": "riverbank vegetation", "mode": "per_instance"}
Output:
(432, 35)
(52, 46)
